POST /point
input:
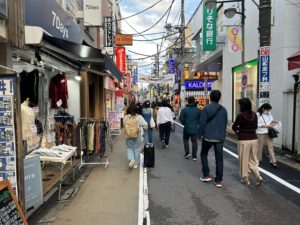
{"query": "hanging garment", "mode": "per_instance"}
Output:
(29, 86)
(58, 91)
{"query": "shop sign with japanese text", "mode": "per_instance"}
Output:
(264, 65)
(135, 74)
(171, 66)
(108, 31)
(209, 40)
(121, 58)
(123, 39)
(128, 81)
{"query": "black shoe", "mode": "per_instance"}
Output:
(274, 165)
(187, 155)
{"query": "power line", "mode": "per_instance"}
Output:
(175, 43)
(138, 32)
(156, 22)
(139, 12)
(149, 34)
(155, 39)
(295, 4)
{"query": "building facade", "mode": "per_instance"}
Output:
(284, 42)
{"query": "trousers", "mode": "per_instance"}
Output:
(194, 140)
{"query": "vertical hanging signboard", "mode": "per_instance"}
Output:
(209, 40)
(108, 33)
(121, 59)
(264, 75)
(7, 133)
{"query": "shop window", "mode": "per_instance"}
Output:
(249, 91)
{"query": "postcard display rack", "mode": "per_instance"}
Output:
(8, 149)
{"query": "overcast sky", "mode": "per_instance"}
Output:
(145, 20)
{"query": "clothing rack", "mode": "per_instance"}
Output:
(95, 158)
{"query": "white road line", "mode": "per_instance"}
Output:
(278, 179)
(141, 194)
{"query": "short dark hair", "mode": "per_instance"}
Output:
(245, 105)
(164, 103)
(265, 106)
(215, 96)
(147, 104)
(132, 109)
(191, 100)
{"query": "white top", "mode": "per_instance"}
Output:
(164, 115)
(263, 120)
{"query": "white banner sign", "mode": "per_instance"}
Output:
(234, 39)
(92, 10)
(150, 79)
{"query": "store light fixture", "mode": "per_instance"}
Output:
(78, 77)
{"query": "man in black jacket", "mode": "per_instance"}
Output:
(189, 117)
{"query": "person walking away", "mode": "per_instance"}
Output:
(133, 123)
(245, 126)
(265, 121)
(164, 121)
(212, 128)
(189, 117)
(147, 113)
(156, 111)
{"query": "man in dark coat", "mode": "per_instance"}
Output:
(189, 117)
(212, 128)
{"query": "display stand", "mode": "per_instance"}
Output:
(67, 157)
(96, 159)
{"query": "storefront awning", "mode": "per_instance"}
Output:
(294, 61)
(87, 56)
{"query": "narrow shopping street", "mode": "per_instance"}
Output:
(110, 196)
(100, 98)
(177, 196)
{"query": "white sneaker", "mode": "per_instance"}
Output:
(131, 163)
(135, 166)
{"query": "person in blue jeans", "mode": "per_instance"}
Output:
(212, 129)
(189, 117)
(133, 143)
(147, 113)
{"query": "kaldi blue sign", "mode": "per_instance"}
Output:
(50, 16)
(198, 85)
(172, 66)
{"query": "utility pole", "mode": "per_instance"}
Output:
(264, 28)
(182, 51)
(157, 68)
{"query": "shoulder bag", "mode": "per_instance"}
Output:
(271, 131)
(214, 115)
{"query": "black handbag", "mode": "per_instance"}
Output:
(272, 133)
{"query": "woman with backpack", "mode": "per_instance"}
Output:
(133, 122)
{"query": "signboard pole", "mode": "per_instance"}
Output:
(264, 75)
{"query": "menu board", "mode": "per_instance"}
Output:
(7, 133)
(10, 211)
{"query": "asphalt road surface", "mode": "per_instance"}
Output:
(178, 197)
